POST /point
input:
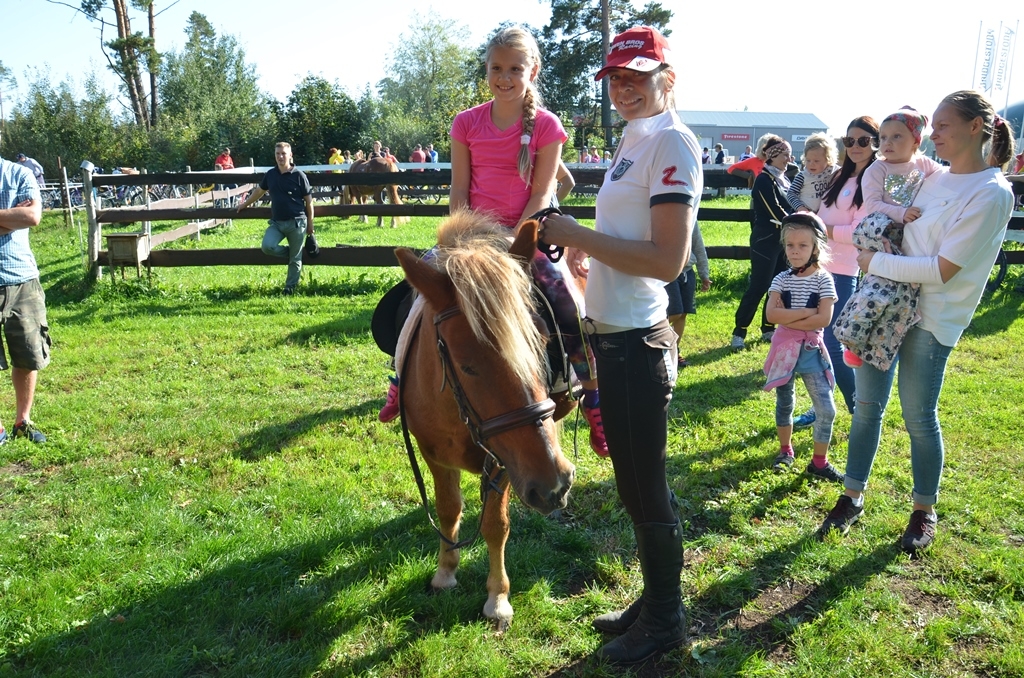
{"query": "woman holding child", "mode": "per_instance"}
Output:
(949, 250)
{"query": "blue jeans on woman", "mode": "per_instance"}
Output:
(846, 285)
(922, 366)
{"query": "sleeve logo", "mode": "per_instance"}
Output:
(668, 179)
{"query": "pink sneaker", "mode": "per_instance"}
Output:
(851, 359)
(390, 409)
(597, 441)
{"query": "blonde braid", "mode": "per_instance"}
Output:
(529, 118)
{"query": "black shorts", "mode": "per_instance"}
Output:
(682, 293)
(23, 316)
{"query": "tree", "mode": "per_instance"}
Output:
(211, 99)
(50, 124)
(7, 84)
(129, 50)
(430, 80)
(571, 46)
(317, 116)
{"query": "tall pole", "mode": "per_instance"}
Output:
(977, 48)
(1009, 75)
(606, 104)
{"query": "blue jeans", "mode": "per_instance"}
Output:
(922, 366)
(820, 390)
(294, 230)
(845, 287)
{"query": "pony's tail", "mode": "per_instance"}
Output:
(529, 118)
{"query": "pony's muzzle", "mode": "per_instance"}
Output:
(547, 497)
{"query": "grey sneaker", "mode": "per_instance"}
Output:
(737, 343)
(766, 337)
(827, 472)
(841, 517)
(919, 533)
(783, 462)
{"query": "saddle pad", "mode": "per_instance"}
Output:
(389, 316)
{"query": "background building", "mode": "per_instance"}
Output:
(736, 130)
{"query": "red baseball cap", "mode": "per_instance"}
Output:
(639, 49)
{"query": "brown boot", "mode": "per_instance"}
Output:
(661, 623)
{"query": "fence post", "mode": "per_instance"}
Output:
(65, 194)
(188, 168)
(146, 225)
(90, 212)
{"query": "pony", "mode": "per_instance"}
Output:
(473, 334)
(359, 194)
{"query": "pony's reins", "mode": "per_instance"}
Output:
(493, 472)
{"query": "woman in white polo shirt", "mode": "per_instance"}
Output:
(645, 214)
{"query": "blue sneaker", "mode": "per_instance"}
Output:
(805, 420)
(27, 429)
(3, 436)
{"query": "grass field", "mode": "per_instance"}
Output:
(218, 499)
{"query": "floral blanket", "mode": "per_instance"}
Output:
(881, 311)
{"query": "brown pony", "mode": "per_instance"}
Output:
(475, 354)
(359, 194)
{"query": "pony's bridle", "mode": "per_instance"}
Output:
(480, 430)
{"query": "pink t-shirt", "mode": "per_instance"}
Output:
(494, 182)
(873, 185)
(843, 217)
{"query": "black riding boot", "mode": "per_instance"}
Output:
(619, 621)
(661, 623)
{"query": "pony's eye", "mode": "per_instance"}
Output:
(468, 370)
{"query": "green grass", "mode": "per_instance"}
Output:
(218, 498)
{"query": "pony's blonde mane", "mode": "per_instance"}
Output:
(493, 289)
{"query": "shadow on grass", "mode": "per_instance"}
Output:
(274, 614)
(338, 331)
(780, 605)
(996, 312)
(698, 399)
(273, 438)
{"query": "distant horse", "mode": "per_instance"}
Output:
(359, 194)
(473, 389)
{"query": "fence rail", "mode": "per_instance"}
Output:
(345, 256)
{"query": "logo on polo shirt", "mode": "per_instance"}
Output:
(621, 168)
(667, 177)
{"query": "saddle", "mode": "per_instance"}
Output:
(392, 311)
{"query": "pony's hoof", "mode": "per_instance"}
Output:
(500, 625)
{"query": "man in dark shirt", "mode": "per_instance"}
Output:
(291, 210)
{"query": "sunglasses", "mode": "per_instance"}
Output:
(863, 142)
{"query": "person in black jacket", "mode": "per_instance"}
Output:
(769, 206)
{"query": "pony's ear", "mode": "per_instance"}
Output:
(435, 286)
(525, 243)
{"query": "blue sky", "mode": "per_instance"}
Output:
(799, 56)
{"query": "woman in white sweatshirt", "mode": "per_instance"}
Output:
(950, 250)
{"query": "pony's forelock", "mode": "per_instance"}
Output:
(493, 289)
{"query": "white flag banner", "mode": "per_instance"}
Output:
(1004, 47)
(996, 41)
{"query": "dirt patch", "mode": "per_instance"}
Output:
(786, 600)
(17, 468)
(926, 606)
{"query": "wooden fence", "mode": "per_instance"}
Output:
(340, 256)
